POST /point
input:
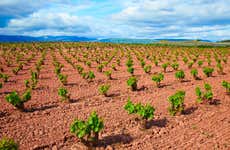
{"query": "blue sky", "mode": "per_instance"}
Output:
(196, 19)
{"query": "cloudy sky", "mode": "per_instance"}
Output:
(194, 19)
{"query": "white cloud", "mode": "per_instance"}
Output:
(177, 18)
(19, 8)
(44, 20)
(174, 10)
(44, 23)
(209, 19)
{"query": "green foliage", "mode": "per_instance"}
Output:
(156, 62)
(95, 123)
(58, 69)
(0, 85)
(8, 144)
(27, 83)
(26, 95)
(208, 95)
(158, 78)
(103, 89)
(34, 79)
(209, 61)
(129, 63)
(177, 103)
(8, 63)
(199, 94)
(108, 74)
(79, 69)
(175, 66)
(17, 101)
(217, 59)
(205, 96)
(38, 67)
(220, 68)
(194, 73)
(114, 67)
(88, 75)
(91, 75)
(105, 63)
(100, 67)
(88, 63)
(164, 66)
(142, 63)
(130, 107)
(62, 78)
(34, 75)
(208, 71)
(190, 64)
(200, 63)
(226, 85)
(80, 128)
(84, 75)
(207, 86)
(118, 62)
(5, 77)
(144, 111)
(130, 70)
(147, 68)
(14, 99)
(84, 129)
(185, 59)
(63, 93)
(225, 60)
(180, 74)
(16, 70)
(132, 82)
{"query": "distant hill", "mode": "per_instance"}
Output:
(225, 41)
(19, 38)
(123, 40)
(15, 38)
(183, 40)
(145, 41)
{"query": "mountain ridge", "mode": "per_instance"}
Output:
(22, 38)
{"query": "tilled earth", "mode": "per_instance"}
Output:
(46, 122)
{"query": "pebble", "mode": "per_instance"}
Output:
(41, 132)
(54, 147)
(36, 113)
(35, 132)
(35, 146)
(162, 132)
(109, 147)
(181, 123)
(156, 131)
(171, 126)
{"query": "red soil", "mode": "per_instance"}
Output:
(46, 123)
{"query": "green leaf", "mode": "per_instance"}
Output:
(177, 102)
(8, 144)
(198, 92)
(79, 128)
(14, 99)
(26, 96)
(130, 107)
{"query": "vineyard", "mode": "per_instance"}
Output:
(114, 96)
